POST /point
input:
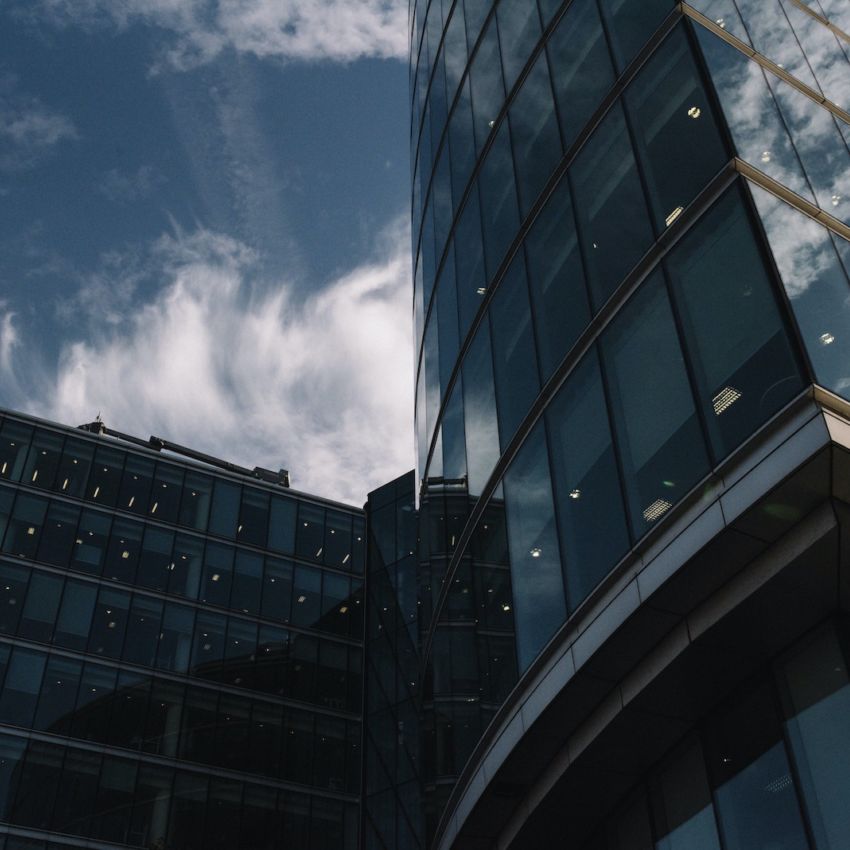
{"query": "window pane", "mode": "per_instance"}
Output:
(13, 590)
(485, 77)
(122, 556)
(660, 440)
(74, 467)
(143, 631)
(519, 28)
(155, 558)
(277, 589)
(610, 205)
(110, 622)
(535, 557)
(253, 517)
(185, 566)
(556, 280)
(306, 594)
(677, 139)
(311, 532)
(25, 524)
(514, 359)
(58, 696)
(245, 595)
(175, 644)
(482, 434)
(337, 539)
(58, 539)
(594, 534)
(14, 442)
(94, 703)
(91, 542)
(39, 613)
(224, 514)
(499, 206)
(632, 23)
(195, 501)
(105, 476)
(581, 65)
(742, 358)
(282, 525)
(753, 788)
(43, 459)
(75, 615)
(218, 574)
(22, 687)
(166, 492)
(136, 484)
(469, 262)
(209, 646)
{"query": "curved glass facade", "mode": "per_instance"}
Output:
(630, 227)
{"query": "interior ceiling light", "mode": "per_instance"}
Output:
(694, 112)
(721, 22)
(482, 290)
(836, 200)
(674, 215)
(826, 339)
(575, 494)
(725, 399)
(765, 157)
(657, 509)
(536, 552)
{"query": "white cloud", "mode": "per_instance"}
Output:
(340, 30)
(322, 386)
(29, 130)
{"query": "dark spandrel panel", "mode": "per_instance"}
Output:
(43, 460)
(678, 141)
(556, 280)
(482, 431)
(815, 283)
(519, 31)
(659, 437)
(514, 358)
(74, 465)
(631, 24)
(195, 500)
(469, 262)
(754, 792)
(536, 577)
(224, 512)
(591, 513)
(499, 205)
(681, 802)
(742, 357)
(105, 476)
(136, 484)
(282, 525)
(534, 133)
(581, 66)
(14, 444)
(485, 76)
(609, 202)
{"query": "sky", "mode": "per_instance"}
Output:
(204, 228)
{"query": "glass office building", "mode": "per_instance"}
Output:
(181, 652)
(632, 312)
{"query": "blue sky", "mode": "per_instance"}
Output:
(203, 227)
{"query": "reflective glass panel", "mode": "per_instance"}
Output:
(43, 459)
(610, 206)
(742, 358)
(594, 533)
(660, 440)
(538, 585)
(74, 465)
(632, 23)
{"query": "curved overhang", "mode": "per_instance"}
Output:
(753, 560)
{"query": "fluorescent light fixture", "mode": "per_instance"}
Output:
(694, 112)
(482, 290)
(536, 552)
(215, 576)
(725, 399)
(836, 200)
(674, 215)
(319, 553)
(302, 599)
(506, 607)
(35, 475)
(31, 531)
(155, 506)
(345, 559)
(344, 609)
(96, 491)
(575, 494)
(130, 503)
(826, 339)
(657, 509)
(125, 554)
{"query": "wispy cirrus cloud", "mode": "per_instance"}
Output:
(235, 367)
(199, 30)
(29, 129)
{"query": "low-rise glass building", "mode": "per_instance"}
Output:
(181, 651)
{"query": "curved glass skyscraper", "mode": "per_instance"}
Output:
(630, 225)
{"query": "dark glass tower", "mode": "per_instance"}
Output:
(631, 300)
(180, 651)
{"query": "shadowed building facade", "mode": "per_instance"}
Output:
(181, 653)
(632, 310)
